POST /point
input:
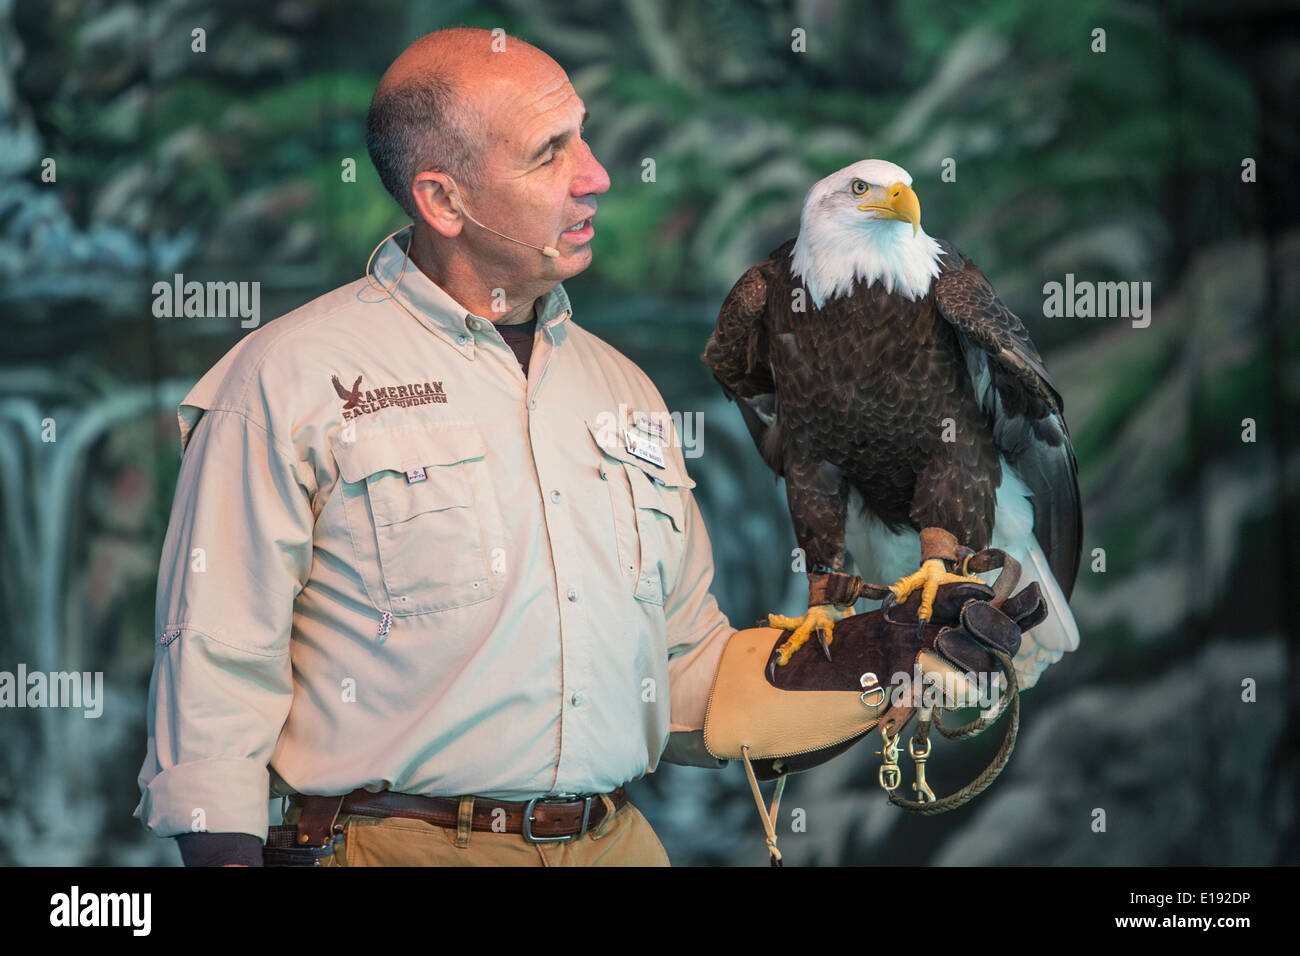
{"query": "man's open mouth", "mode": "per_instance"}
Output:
(579, 227)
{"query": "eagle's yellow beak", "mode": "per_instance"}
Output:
(901, 203)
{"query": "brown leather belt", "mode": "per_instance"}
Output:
(540, 820)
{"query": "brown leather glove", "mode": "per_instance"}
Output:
(787, 735)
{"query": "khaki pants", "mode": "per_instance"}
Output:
(622, 839)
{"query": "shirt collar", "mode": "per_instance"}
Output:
(435, 309)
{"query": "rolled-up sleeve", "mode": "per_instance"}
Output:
(697, 633)
(237, 551)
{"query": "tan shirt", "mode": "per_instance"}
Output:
(393, 562)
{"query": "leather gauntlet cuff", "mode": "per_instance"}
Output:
(833, 587)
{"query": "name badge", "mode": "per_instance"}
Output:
(643, 448)
(648, 425)
(414, 475)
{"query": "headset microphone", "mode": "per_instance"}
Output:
(549, 251)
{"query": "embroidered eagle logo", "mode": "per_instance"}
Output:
(351, 399)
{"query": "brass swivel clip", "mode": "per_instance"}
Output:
(923, 792)
(889, 774)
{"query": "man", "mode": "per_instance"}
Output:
(422, 555)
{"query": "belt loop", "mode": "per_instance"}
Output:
(465, 820)
(606, 821)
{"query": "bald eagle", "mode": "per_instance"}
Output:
(883, 378)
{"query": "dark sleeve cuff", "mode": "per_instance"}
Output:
(217, 849)
(686, 747)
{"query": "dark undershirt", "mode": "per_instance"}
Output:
(520, 339)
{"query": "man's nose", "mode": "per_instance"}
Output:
(592, 180)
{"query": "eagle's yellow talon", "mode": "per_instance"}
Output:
(929, 578)
(820, 618)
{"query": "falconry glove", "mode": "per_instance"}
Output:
(889, 665)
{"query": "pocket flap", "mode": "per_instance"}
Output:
(610, 441)
(648, 493)
(403, 448)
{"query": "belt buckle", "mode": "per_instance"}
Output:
(551, 798)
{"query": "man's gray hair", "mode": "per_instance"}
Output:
(423, 124)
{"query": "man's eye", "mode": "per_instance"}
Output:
(549, 159)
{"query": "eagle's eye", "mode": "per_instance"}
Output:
(858, 187)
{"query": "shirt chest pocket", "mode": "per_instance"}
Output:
(649, 514)
(423, 516)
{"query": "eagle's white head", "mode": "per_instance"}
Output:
(864, 223)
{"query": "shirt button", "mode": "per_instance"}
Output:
(532, 403)
(555, 496)
(573, 594)
(462, 338)
(576, 700)
(603, 476)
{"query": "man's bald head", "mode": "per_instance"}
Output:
(427, 112)
(479, 137)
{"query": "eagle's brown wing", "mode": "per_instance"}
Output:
(1022, 405)
(737, 354)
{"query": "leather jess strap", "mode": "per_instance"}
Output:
(828, 586)
(546, 818)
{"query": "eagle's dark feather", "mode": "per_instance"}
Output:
(1023, 408)
(738, 355)
(855, 394)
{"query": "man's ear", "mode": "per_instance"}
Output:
(438, 201)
